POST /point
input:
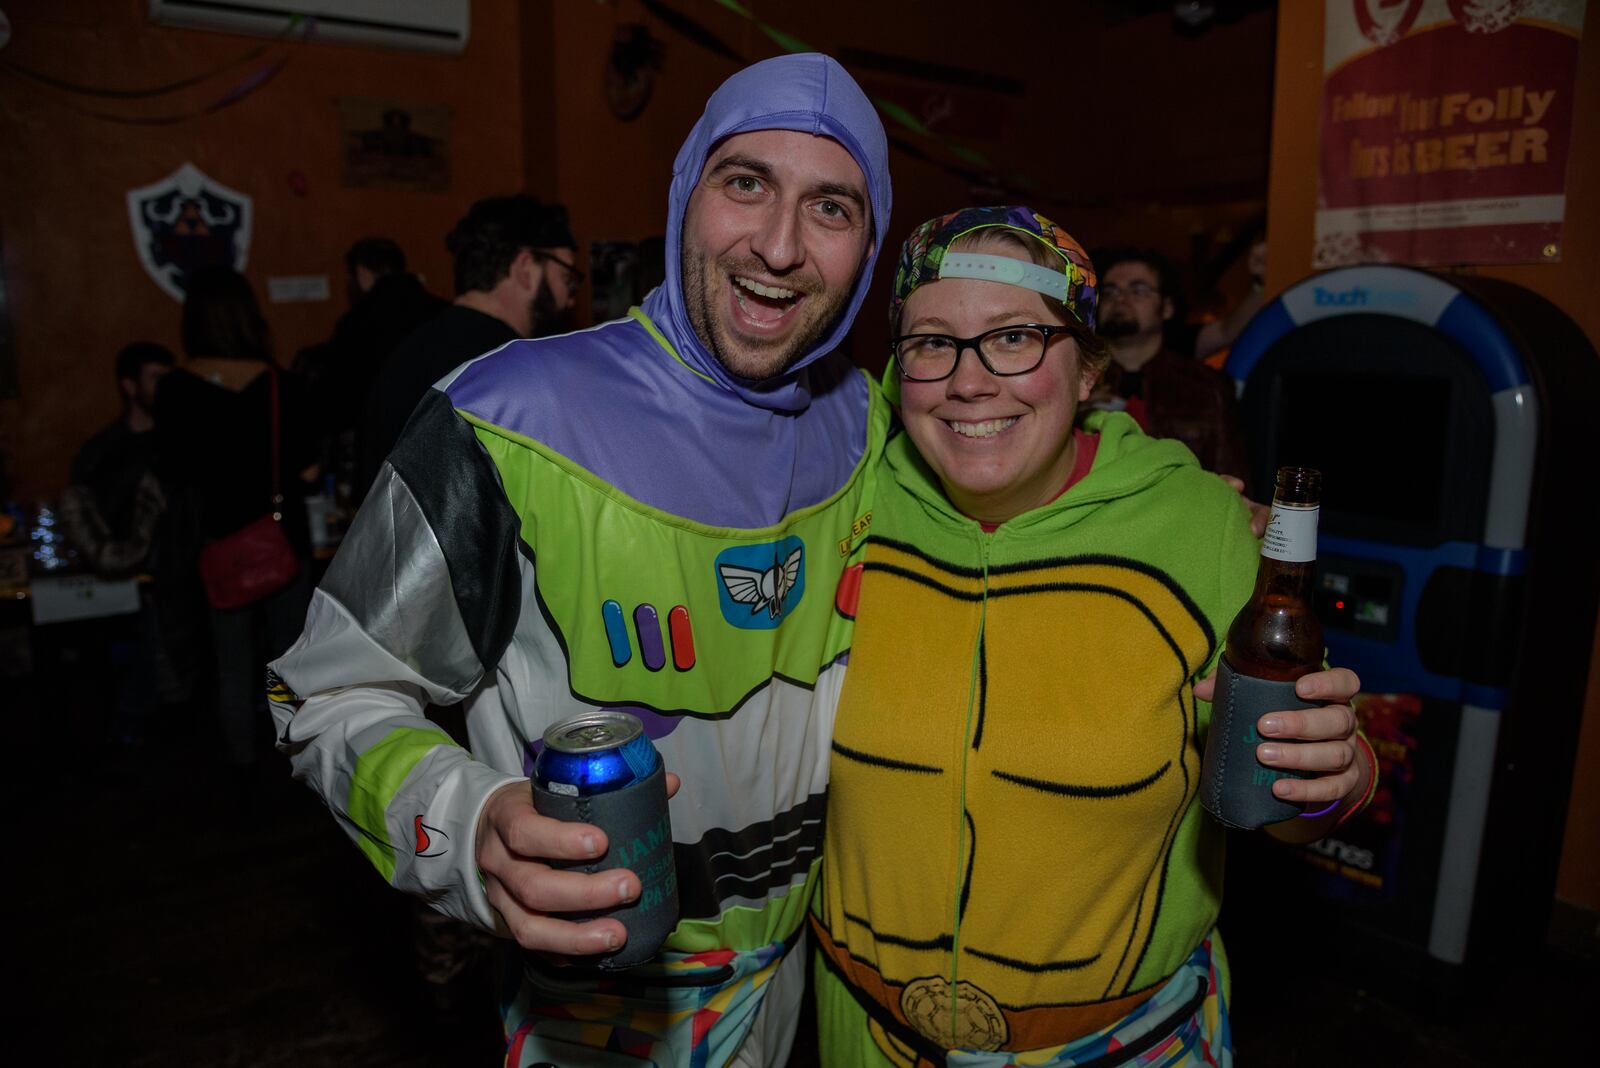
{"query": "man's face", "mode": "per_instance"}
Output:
(1130, 302)
(141, 392)
(774, 237)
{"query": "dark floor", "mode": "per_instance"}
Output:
(163, 915)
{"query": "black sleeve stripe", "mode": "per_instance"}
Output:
(456, 485)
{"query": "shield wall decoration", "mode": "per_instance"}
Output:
(187, 221)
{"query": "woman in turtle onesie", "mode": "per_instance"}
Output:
(1016, 869)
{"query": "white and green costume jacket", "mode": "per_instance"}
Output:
(610, 520)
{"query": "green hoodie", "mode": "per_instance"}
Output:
(1012, 809)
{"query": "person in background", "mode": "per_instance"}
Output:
(213, 444)
(1210, 341)
(112, 511)
(515, 276)
(387, 303)
(1017, 869)
(1170, 394)
(114, 501)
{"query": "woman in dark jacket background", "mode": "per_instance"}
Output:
(213, 442)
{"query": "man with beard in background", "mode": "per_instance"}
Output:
(1169, 394)
(515, 276)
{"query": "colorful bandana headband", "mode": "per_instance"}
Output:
(926, 257)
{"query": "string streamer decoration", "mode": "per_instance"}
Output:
(250, 83)
(973, 168)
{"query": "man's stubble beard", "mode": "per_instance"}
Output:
(768, 361)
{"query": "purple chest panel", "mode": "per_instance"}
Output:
(615, 402)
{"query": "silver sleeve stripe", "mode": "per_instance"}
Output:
(334, 653)
(392, 579)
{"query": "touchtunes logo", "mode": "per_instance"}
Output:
(1363, 297)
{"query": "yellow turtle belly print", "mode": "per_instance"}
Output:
(1021, 834)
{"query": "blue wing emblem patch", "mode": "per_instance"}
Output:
(759, 585)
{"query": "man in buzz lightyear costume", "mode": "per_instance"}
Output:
(654, 516)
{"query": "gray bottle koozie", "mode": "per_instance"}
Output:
(1235, 787)
(639, 833)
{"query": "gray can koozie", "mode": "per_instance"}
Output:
(1235, 787)
(639, 838)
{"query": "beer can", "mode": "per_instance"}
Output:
(601, 768)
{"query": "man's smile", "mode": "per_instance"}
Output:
(774, 292)
(764, 305)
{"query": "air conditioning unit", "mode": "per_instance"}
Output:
(415, 25)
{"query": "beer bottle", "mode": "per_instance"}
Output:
(1275, 639)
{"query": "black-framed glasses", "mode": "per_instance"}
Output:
(574, 276)
(1004, 351)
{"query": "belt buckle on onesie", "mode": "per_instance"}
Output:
(979, 1023)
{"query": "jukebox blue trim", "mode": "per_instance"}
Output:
(1260, 334)
(1335, 292)
(1470, 325)
(1507, 563)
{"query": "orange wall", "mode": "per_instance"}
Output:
(1572, 285)
(529, 112)
(78, 292)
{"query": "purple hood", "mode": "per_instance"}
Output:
(810, 93)
(688, 437)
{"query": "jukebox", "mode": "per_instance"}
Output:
(1454, 420)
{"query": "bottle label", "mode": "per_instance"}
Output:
(1291, 533)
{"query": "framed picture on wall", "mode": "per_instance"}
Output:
(388, 144)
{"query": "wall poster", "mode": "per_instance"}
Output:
(1446, 129)
(391, 145)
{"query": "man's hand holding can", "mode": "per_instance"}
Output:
(539, 867)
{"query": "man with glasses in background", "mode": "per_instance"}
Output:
(1170, 394)
(515, 276)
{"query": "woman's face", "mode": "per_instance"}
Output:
(1000, 446)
